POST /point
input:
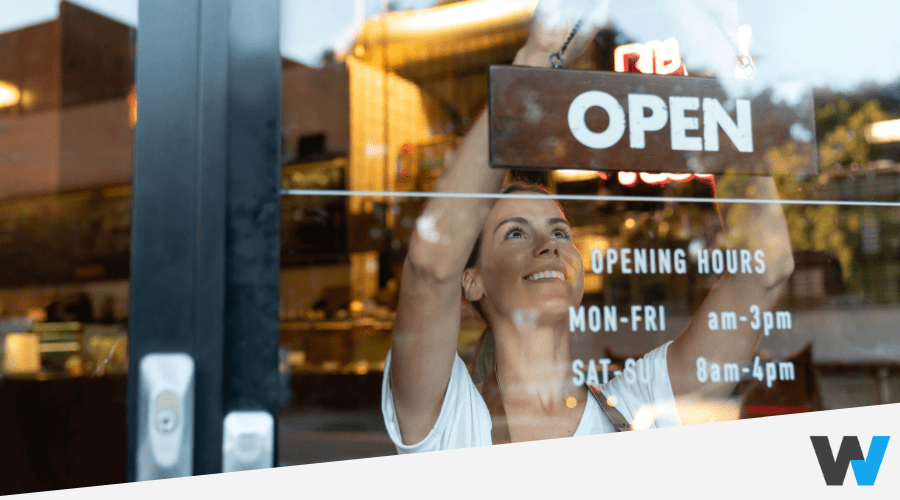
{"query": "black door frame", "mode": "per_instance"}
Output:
(205, 216)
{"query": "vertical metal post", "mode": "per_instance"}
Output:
(204, 270)
(252, 259)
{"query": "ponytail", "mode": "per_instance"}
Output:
(484, 356)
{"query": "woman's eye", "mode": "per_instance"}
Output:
(561, 233)
(515, 233)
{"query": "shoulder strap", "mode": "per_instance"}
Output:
(490, 391)
(615, 416)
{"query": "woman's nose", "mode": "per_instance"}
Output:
(548, 247)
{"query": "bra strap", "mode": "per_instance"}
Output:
(615, 416)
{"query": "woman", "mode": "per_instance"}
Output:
(516, 261)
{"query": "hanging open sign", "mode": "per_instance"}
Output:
(592, 120)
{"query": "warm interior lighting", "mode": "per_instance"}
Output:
(587, 238)
(22, 353)
(9, 94)
(883, 132)
(665, 178)
(663, 228)
(60, 347)
(654, 178)
(452, 15)
(27, 99)
(630, 179)
(132, 107)
(574, 175)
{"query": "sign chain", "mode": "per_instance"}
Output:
(556, 59)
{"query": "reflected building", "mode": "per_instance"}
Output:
(66, 161)
(418, 80)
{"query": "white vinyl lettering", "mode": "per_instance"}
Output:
(640, 123)
(650, 113)
(740, 132)
(578, 110)
(682, 123)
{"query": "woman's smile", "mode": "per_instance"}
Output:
(547, 276)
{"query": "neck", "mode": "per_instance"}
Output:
(534, 363)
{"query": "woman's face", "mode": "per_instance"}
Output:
(529, 266)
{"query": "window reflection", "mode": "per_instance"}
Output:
(410, 103)
(66, 134)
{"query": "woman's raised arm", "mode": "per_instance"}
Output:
(426, 329)
(762, 227)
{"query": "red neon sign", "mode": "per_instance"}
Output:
(654, 57)
(630, 179)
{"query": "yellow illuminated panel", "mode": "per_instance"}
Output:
(132, 107)
(586, 243)
(883, 132)
(9, 94)
(574, 175)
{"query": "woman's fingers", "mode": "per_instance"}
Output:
(555, 23)
(595, 18)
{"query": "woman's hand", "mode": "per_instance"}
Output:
(553, 23)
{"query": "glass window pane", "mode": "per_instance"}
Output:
(378, 99)
(67, 117)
